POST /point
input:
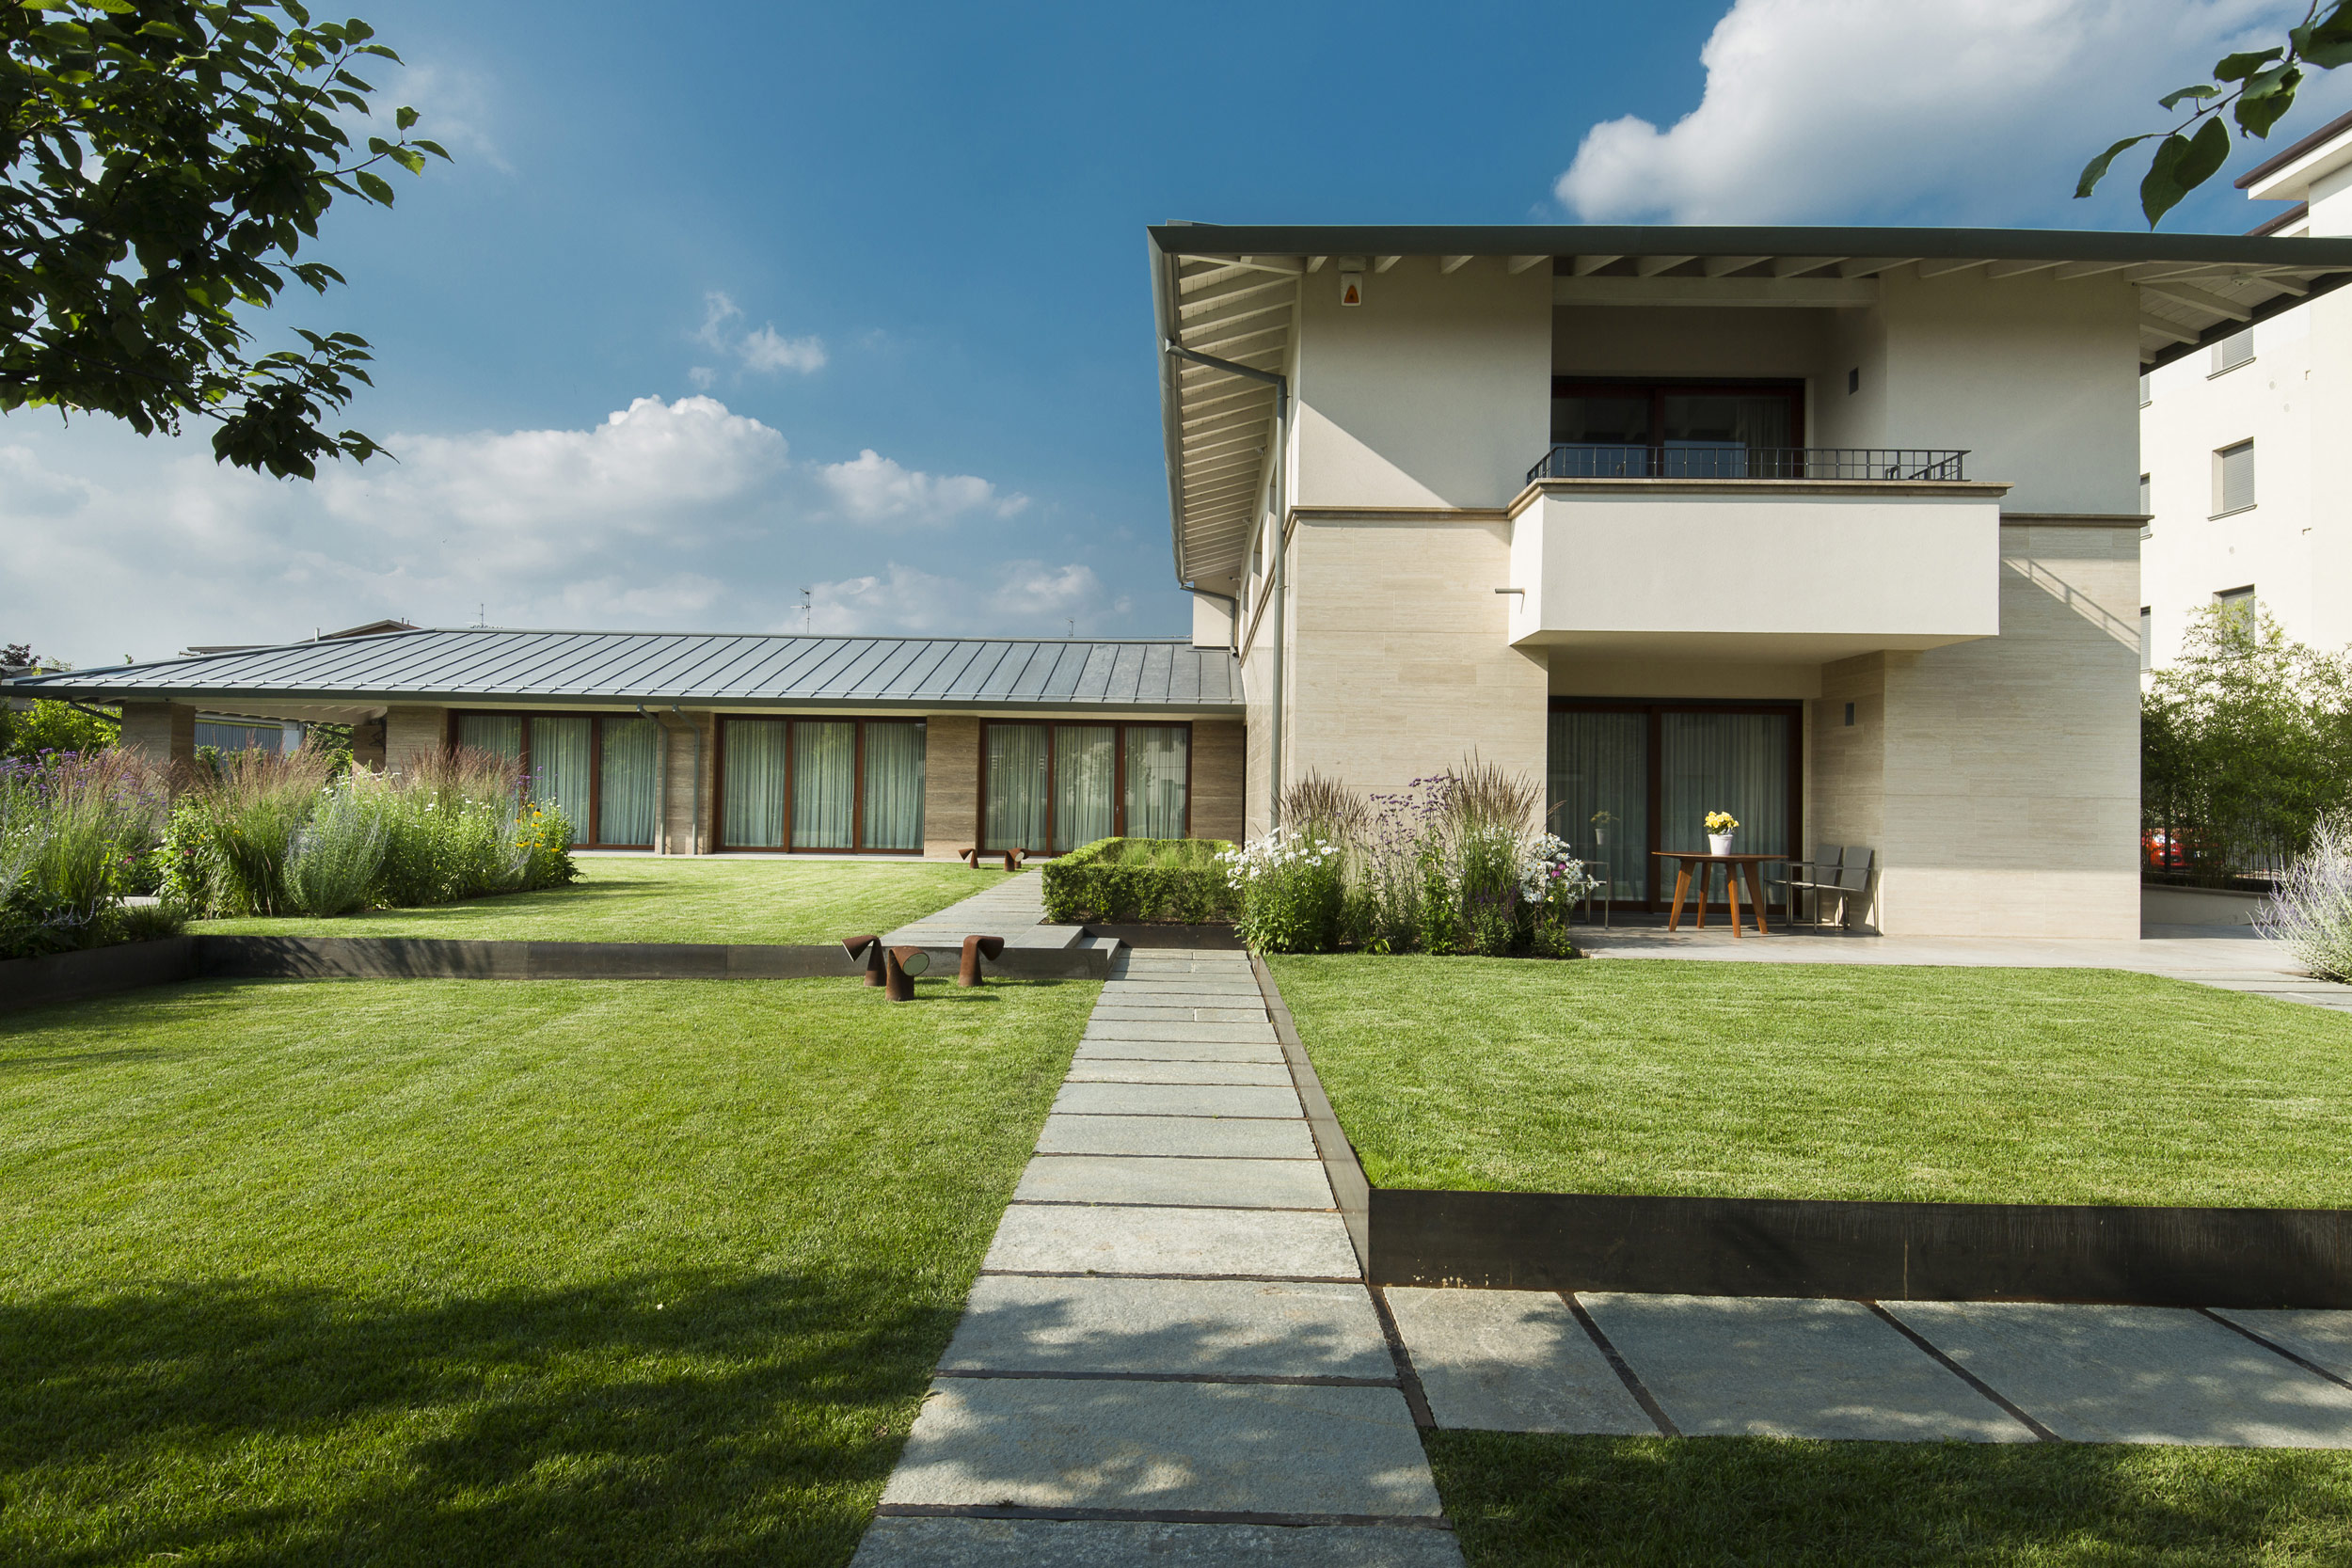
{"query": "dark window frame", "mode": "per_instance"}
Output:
(1119, 775)
(1654, 708)
(1792, 390)
(791, 763)
(586, 833)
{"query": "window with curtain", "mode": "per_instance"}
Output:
(754, 784)
(562, 749)
(499, 733)
(1086, 763)
(1610, 429)
(1734, 762)
(824, 784)
(894, 786)
(1158, 764)
(1013, 766)
(625, 804)
(1600, 790)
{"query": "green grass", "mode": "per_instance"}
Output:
(672, 899)
(496, 1273)
(1526, 1501)
(1819, 1081)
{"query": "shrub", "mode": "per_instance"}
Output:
(73, 828)
(1291, 884)
(2310, 913)
(336, 857)
(1141, 880)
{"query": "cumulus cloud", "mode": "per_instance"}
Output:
(764, 351)
(1031, 598)
(872, 488)
(1837, 108)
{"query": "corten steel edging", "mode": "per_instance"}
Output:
(1350, 1190)
(2153, 1256)
(442, 958)
(95, 972)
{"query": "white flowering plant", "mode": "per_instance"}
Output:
(1291, 883)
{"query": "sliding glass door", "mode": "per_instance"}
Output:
(833, 786)
(598, 767)
(1051, 787)
(1630, 779)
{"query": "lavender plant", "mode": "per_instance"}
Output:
(2310, 913)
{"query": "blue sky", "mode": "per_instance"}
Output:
(718, 306)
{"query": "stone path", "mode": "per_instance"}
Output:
(1012, 907)
(1169, 1354)
(1898, 1371)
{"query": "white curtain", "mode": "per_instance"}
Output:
(499, 733)
(894, 786)
(753, 783)
(1599, 794)
(1734, 762)
(824, 780)
(626, 797)
(1156, 756)
(1015, 775)
(1086, 763)
(561, 750)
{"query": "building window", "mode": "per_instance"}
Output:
(2237, 607)
(2146, 639)
(2234, 477)
(844, 786)
(2144, 508)
(2144, 398)
(2233, 351)
(1050, 787)
(598, 767)
(237, 735)
(1660, 430)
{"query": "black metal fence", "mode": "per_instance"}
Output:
(1729, 460)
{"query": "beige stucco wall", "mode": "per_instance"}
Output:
(163, 733)
(1216, 779)
(413, 732)
(951, 785)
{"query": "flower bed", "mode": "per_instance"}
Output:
(74, 830)
(1142, 879)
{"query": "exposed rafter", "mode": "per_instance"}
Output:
(1450, 264)
(1585, 266)
(1721, 266)
(2198, 299)
(2158, 326)
(1797, 266)
(1651, 267)
(1521, 263)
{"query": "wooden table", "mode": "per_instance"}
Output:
(1735, 867)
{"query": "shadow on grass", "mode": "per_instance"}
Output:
(655, 1419)
(1523, 1499)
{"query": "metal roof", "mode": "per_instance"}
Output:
(355, 675)
(1232, 291)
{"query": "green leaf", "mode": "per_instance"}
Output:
(433, 147)
(379, 190)
(2180, 164)
(2201, 93)
(2093, 171)
(2236, 68)
(2267, 96)
(404, 116)
(2328, 43)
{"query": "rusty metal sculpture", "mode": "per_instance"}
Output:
(869, 948)
(975, 949)
(904, 965)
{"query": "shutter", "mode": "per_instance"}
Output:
(2238, 476)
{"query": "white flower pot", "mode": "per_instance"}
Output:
(1719, 843)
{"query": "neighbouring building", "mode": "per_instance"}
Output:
(1834, 529)
(2243, 507)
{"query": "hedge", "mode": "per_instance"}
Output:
(1130, 879)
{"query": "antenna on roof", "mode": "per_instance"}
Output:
(481, 616)
(1071, 622)
(808, 613)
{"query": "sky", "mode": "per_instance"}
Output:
(783, 316)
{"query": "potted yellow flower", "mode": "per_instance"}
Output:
(1721, 825)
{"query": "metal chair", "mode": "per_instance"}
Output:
(1835, 872)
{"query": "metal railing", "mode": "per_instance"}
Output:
(1728, 460)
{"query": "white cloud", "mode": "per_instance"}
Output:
(453, 108)
(872, 488)
(764, 351)
(1030, 598)
(1838, 108)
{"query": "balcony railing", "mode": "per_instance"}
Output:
(1730, 459)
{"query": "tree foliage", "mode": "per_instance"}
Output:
(2255, 87)
(165, 159)
(2246, 743)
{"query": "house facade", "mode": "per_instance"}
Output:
(2245, 505)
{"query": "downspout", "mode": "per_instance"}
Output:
(1281, 552)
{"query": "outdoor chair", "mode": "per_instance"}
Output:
(1843, 874)
(1600, 888)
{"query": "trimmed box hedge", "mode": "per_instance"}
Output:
(1133, 880)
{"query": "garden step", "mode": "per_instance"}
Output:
(1196, 1327)
(1053, 1238)
(1201, 1138)
(918, 1543)
(1152, 1179)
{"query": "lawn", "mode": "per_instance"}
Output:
(495, 1273)
(674, 899)
(1527, 1501)
(2030, 1085)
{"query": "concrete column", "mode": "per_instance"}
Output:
(951, 785)
(163, 733)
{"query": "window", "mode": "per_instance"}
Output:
(1051, 787)
(2144, 508)
(844, 786)
(2144, 398)
(1661, 430)
(2237, 606)
(600, 768)
(231, 735)
(2234, 477)
(2233, 351)
(2146, 639)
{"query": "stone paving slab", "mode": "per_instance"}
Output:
(1220, 984)
(895, 1543)
(1205, 1183)
(1184, 1013)
(1264, 1075)
(1777, 1367)
(1231, 1328)
(1233, 1034)
(1201, 1138)
(1130, 993)
(1511, 1361)
(1222, 1446)
(1069, 1239)
(1178, 1100)
(2321, 1338)
(2137, 1374)
(1177, 1051)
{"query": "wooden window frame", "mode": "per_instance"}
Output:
(588, 830)
(791, 763)
(1790, 390)
(1654, 709)
(1119, 775)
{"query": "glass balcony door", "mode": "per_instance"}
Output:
(831, 785)
(1668, 430)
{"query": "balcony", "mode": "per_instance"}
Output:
(1709, 551)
